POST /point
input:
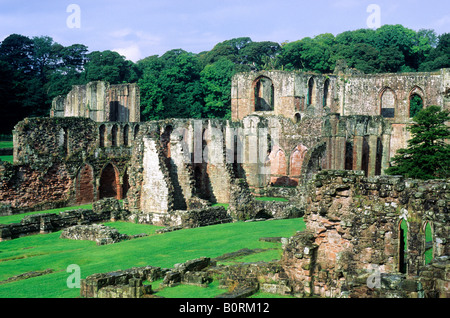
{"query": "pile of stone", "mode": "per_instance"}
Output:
(99, 233)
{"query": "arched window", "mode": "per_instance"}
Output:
(126, 130)
(296, 161)
(114, 136)
(264, 94)
(403, 246)
(415, 104)
(326, 88)
(102, 134)
(125, 184)
(311, 100)
(428, 243)
(388, 102)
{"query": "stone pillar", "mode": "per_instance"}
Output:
(372, 154)
(339, 153)
(357, 152)
(386, 141)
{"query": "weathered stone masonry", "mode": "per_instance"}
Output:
(354, 229)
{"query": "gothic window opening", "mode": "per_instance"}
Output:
(326, 88)
(264, 94)
(403, 244)
(311, 100)
(388, 102)
(102, 134)
(126, 130)
(428, 243)
(125, 184)
(114, 136)
(415, 105)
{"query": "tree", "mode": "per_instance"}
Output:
(216, 84)
(428, 154)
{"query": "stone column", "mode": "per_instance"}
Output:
(372, 154)
(357, 152)
(386, 141)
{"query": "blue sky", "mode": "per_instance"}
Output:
(138, 29)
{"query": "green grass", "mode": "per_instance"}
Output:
(44, 251)
(16, 218)
(9, 159)
(6, 144)
(271, 199)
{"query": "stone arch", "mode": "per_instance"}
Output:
(297, 117)
(109, 182)
(263, 94)
(102, 135)
(114, 131)
(278, 167)
(296, 160)
(388, 102)
(84, 186)
(311, 99)
(415, 101)
(125, 135)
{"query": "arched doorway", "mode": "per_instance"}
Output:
(85, 185)
(108, 182)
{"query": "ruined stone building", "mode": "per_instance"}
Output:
(286, 127)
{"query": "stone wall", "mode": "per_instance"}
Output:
(65, 161)
(49, 222)
(298, 94)
(100, 101)
(354, 230)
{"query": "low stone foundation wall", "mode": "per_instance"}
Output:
(185, 219)
(99, 233)
(48, 222)
(102, 211)
(276, 209)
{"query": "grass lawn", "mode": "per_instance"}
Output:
(17, 217)
(271, 199)
(6, 144)
(48, 251)
(9, 159)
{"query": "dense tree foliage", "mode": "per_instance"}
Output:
(182, 84)
(427, 155)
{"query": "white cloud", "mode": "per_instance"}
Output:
(132, 52)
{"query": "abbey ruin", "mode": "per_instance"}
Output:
(322, 141)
